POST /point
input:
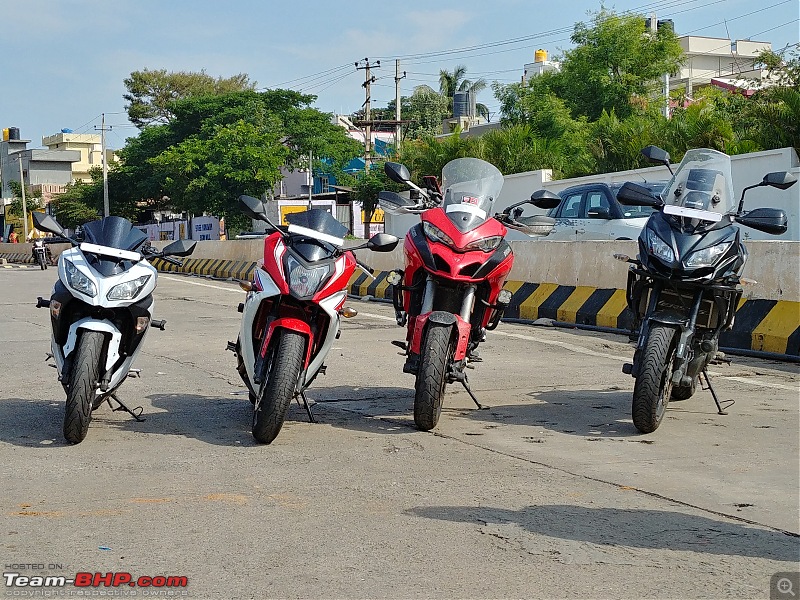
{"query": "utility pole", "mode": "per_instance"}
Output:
(397, 79)
(310, 179)
(24, 203)
(369, 79)
(103, 129)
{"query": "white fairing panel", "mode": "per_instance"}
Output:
(329, 305)
(251, 303)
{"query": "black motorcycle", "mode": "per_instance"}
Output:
(684, 286)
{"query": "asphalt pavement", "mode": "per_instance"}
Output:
(549, 493)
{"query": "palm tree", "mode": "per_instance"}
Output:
(455, 81)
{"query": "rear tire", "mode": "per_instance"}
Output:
(653, 386)
(432, 377)
(82, 385)
(684, 393)
(277, 390)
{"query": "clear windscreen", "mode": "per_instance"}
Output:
(701, 187)
(470, 188)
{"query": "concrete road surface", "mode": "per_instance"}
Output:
(550, 493)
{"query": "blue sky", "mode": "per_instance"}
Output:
(63, 62)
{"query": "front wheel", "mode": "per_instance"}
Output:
(653, 386)
(432, 377)
(283, 367)
(82, 385)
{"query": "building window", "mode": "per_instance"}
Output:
(324, 184)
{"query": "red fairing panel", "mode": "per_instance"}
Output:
(417, 326)
(293, 325)
(343, 269)
(274, 249)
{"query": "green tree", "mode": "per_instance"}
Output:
(150, 93)
(76, 205)
(613, 61)
(33, 199)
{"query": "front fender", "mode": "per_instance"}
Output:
(670, 318)
(290, 324)
(104, 326)
(441, 319)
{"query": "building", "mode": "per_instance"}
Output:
(89, 145)
(40, 167)
(719, 59)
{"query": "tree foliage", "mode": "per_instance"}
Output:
(150, 93)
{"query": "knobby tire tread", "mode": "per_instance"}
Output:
(82, 385)
(278, 390)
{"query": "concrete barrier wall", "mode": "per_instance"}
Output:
(572, 282)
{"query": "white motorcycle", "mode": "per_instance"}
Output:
(100, 310)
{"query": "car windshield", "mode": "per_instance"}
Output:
(470, 188)
(701, 186)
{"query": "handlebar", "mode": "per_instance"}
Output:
(366, 268)
(172, 261)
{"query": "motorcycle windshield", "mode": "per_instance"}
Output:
(319, 224)
(470, 188)
(701, 187)
(114, 232)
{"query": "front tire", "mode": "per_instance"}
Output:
(432, 377)
(278, 386)
(82, 385)
(653, 386)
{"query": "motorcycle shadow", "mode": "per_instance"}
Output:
(32, 423)
(575, 412)
(629, 527)
(388, 410)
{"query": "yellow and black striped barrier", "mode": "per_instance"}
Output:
(771, 326)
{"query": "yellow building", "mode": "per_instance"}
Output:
(88, 144)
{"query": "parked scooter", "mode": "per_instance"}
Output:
(291, 315)
(684, 285)
(40, 253)
(100, 310)
(457, 260)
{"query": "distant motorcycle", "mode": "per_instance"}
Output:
(291, 314)
(457, 260)
(100, 310)
(684, 285)
(40, 254)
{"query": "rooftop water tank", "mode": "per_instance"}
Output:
(540, 56)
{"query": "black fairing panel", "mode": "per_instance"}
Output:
(465, 221)
(498, 256)
(683, 243)
(421, 244)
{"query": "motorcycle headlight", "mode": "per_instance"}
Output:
(128, 290)
(659, 248)
(435, 234)
(304, 281)
(486, 244)
(78, 281)
(707, 256)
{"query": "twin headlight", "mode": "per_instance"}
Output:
(78, 281)
(129, 289)
(707, 257)
(433, 233)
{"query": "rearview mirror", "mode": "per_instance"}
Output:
(46, 223)
(656, 154)
(632, 194)
(397, 172)
(179, 248)
(782, 180)
(768, 220)
(545, 199)
(252, 207)
(382, 242)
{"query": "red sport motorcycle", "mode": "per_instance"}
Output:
(457, 260)
(291, 315)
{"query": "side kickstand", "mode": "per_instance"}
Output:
(133, 413)
(306, 405)
(465, 383)
(710, 388)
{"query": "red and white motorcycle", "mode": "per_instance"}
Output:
(291, 315)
